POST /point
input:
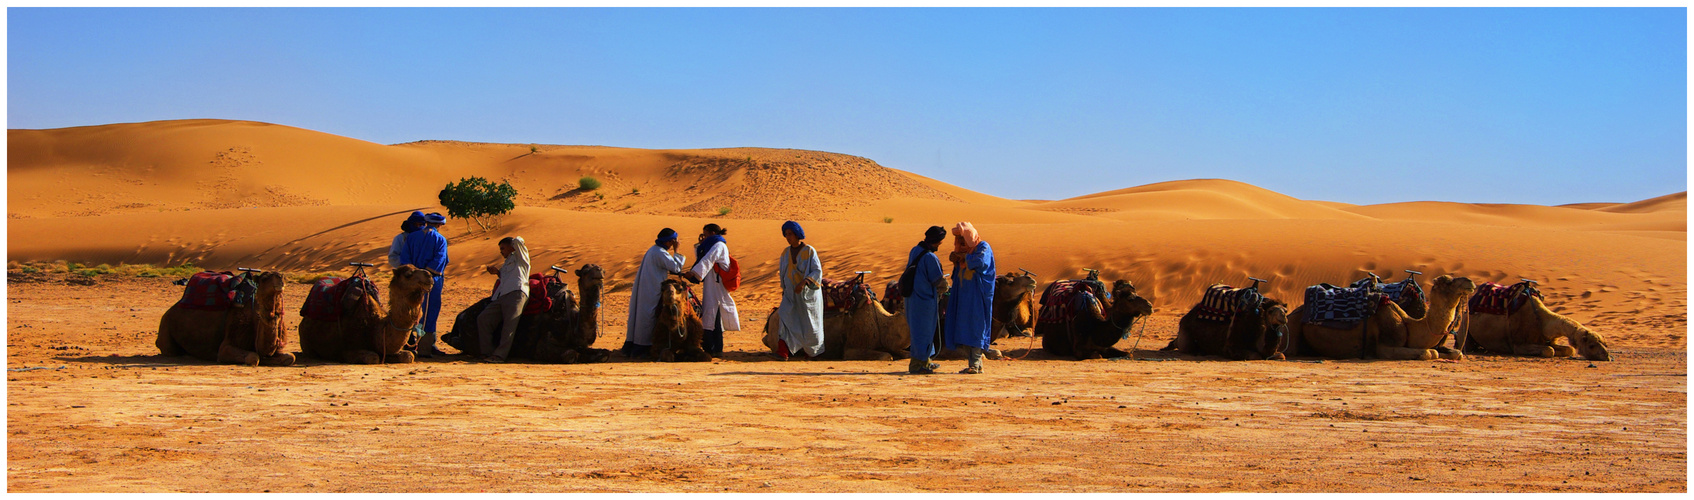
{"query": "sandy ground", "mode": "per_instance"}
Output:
(92, 407)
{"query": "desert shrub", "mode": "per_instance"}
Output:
(634, 190)
(476, 199)
(533, 149)
(887, 220)
(588, 183)
(723, 211)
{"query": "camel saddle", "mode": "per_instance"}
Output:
(538, 303)
(1061, 300)
(323, 302)
(1403, 292)
(1341, 308)
(838, 295)
(216, 291)
(891, 299)
(1221, 302)
(1492, 298)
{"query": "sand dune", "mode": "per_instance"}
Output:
(226, 193)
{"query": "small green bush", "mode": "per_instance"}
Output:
(599, 196)
(588, 183)
(29, 269)
(635, 190)
(723, 211)
(533, 149)
(887, 220)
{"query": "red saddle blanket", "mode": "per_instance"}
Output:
(1221, 302)
(323, 302)
(1059, 300)
(540, 293)
(838, 295)
(1492, 298)
(209, 291)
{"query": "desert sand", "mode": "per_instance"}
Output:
(221, 194)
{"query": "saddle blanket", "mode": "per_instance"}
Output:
(1403, 292)
(1221, 302)
(838, 295)
(323, 302)
(1339, 307)
(209, 291)
(542, 288)
(1492, 298)
(1059, 300)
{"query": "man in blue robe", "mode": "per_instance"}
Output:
(970, 310)
(922, 307)
(426, 248)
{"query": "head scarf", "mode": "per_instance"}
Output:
(435, 218)
(413, 223)
(795, 227)
(934, 235)
(705, 245)
(966, 238)
(665, 235)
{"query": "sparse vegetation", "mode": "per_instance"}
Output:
(887, 220)
(634, 190)
(476, 199)
(588, 183)
(722, 211)
(599, 196)
(135, 270)
(628, 206)
(533, 149)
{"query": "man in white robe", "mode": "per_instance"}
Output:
(662, 260)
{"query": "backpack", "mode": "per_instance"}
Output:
(730, 277)
(908, 278)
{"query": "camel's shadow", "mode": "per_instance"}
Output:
(137, 360)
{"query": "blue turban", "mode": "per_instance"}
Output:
(795, 227)
(435, 218)
(666, 234)
(413, 223)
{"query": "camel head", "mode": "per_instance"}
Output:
(1013, 286)
(673, 295)
(269, 295)
(1449, 287)
(591, 280)
(268, 300)
(1126, 302)
(1274, 312)
(1587, 343)
(410, 284)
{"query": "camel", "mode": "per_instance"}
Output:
(364, 334)
(1412, 303)
(568, 332)
(1095, 329)
(1014, 305)
(251, 335)
(1390, 332)
(1530, 331)
(864, 331)
(1255, 331)
(677, 327)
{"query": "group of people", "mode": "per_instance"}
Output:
(800, 272)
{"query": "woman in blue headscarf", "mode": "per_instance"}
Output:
(801, 310)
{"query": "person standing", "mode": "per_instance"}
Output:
(801, 310)
(717, 307)
(506, 304)
(661, 261)
(397, 249)
(970, 311)
(426, 248)
(923, 306)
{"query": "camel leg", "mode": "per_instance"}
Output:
(360, 357)
(280, 359)
(1405, 353)
(1449, 353)
(1563, 351)
(229, 354)
(854, 354)
(404, 356)
(167, 346)
(1539, 351)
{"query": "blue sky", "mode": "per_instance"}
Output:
(1544, 106)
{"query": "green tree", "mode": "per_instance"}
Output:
(476, 199)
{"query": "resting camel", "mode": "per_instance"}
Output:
(251, 335)
(677, 328)
(364, 334)
(864, 331)
(1096, 329)
(1530, 331)
(1251, 333)
(1014, 305)
(1390, 333)
(568, 332)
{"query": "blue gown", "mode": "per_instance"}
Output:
(922, 308)
(970, 311)
(427, 249)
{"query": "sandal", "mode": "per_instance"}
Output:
(971, 370)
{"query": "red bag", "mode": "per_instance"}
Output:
(731, 277)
